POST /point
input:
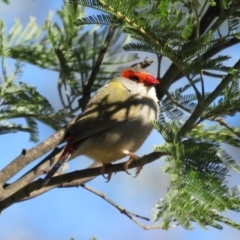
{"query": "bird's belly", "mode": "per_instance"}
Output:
(108, 146)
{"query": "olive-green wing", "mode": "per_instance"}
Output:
(111, 106)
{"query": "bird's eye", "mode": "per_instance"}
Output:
(134, 78)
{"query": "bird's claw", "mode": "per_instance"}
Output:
(138, 170)
(126, 165)
(133, 157)
(104, 168)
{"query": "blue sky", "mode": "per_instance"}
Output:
(64, 213)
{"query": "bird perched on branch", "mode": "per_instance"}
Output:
(116, 122)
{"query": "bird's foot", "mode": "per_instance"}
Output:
(132, 157)
(106, 168)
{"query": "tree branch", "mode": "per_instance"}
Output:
(75, 183)
(146, 159)
(204, 104)
(28, 156)
(65, 180)
(39, 169)
(173, 74)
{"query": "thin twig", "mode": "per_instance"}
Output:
(159, 66)
(157, 226)
(60, 91)
(198, 94)
(121, 210)
(87, 88)
(197, 25)
(202, 82)
(215, 75)
(67, 95)
(198, 17)
(202, 9)
(222, 122)
(177, 103)
(143, 64)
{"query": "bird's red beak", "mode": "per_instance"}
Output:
(150, 81)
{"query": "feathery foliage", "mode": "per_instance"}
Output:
(197, 169)
(66, 49)
(191, 35)
(19, 100)
(174, 29)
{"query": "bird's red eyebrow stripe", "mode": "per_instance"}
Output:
(127, 73)
(143, 77)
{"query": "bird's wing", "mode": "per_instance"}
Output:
(110, 106)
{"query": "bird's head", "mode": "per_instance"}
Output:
(140, 75)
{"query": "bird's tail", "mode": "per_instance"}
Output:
(64, 157)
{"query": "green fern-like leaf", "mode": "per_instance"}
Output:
(141, 47)
(189, 26)
(228, 161)
(98, 19)
(215, 133)
(197, 173)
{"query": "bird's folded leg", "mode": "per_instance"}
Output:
(132, 157)
(104, 168)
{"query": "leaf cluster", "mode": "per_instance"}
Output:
(191, 35)
(59, 47)
(190, 39)
(197, 167)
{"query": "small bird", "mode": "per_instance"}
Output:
(116, 121)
